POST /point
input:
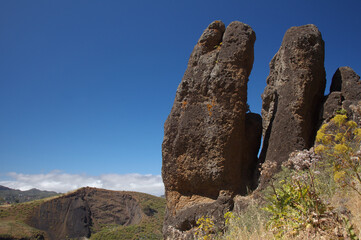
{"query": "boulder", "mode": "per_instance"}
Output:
(293, 96)
(205, 152)
(181, 225)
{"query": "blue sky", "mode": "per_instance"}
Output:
(85, 85)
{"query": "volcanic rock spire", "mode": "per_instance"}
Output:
(293, 95)
(207, 157)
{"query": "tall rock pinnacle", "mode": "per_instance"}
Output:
(205, 154)
(293, 95)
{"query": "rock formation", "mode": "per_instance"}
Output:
(293, 95)
(74, 215)
(345, 93)
(211, 143)
(207, 157)
(346, 81)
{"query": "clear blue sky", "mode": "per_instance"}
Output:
(86, 85)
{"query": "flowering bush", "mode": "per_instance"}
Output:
(205, 229)
(339, 145)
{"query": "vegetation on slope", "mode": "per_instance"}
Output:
(12, 221)
(317, 195)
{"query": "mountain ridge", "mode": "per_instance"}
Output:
(10, 195)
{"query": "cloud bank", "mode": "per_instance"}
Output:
(63, 182)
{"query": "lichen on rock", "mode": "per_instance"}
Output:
(293, 96)
(205, 153)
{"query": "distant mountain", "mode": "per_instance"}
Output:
(8, 195)
(4, 188)
(87, 212)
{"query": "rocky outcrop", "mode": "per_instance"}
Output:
(346, 81)
(211, 143)
(345, 93)
(206, 156)
(75, 214)
(293, 96)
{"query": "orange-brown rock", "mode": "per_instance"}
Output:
(206, 158)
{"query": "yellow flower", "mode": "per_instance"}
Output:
(340, 148)
(323, 127)
(327, 140)
(339, 119)
(351, 124)
(228, 216)
(357, 132)
(319, 136)
(339, 175)
(320, 148)
(338, 136)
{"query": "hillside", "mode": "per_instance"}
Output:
(86, 212)
(8, 195)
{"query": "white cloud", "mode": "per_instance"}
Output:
(63, 182)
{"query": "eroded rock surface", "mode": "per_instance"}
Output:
(74, 215)
(345, 93)
(206, 159)
(346, 81)
(293, 96)
(332, 104)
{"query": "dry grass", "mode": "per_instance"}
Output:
(17, 230)
(240, 232)
(251, 223)
(354, 205)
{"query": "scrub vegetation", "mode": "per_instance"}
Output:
(316, 195)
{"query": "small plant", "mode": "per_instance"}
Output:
(350, 229)
(341, 111)
(218, 46)
(295, 204)
(229, 217)
(205, 229)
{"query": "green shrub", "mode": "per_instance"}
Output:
(295, 203)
